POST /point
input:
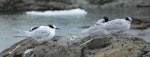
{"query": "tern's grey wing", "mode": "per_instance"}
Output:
(40, 34)
(100, 21)
(115, 25)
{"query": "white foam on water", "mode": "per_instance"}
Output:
(72, 12)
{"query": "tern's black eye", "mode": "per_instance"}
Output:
(127, 18)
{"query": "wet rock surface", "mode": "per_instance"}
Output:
(112, 45)
(24, 5)
(27, 5)
(140, 23)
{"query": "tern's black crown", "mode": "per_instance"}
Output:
(51, 26)
(106, 18)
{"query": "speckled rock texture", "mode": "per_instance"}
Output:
(41, 5)
(112, 45)
(140, 23)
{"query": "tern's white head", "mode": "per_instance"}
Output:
(128, 19)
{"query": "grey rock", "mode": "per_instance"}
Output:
(140, 23)
(26, 5)
(112, 45)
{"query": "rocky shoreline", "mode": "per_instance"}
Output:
(28, 5)
(111, 45)
(140, 23)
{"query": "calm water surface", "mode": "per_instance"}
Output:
(67, 24)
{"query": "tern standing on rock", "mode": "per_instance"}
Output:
(118, 25)
(42, 33)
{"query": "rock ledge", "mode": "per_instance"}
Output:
(110, 46)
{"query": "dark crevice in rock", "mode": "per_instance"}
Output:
(101, 2)
(19, 55)
(82, 52)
